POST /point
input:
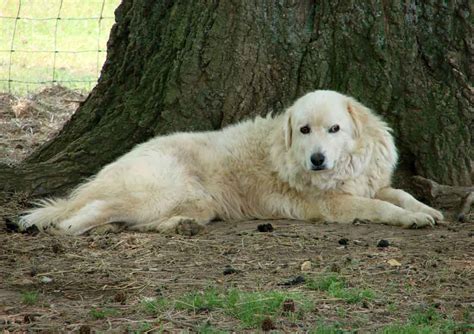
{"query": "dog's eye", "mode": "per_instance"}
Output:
(305, 129)
(333, 129)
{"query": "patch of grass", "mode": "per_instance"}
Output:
(207, 328)
(326, 282)
(141, 328)
(154, 306)
(407, 329)
(392, 307)
(207, 300)
(443, 327)
(337, 287)
(324, 328)
(29, 297)
(102, 313)
(427, 321)
(252, 307)
(249, 307)
(425, 317)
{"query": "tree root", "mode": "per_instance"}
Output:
(454, 198)
(466, 207)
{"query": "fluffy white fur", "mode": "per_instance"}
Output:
(257, 169)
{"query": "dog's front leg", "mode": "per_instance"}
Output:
(346, 208)
(406, 201)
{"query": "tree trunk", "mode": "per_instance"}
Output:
(200, 65)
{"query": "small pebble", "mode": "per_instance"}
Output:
(46, 279)
(306, 266)
(383, 243)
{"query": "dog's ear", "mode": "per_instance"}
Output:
(359, 114)
(287, 128)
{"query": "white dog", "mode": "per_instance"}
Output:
(326, 158)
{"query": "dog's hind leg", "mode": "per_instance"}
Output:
(188, 219)
(113, 227)
(177, 224)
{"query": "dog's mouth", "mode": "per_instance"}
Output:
(319, 169)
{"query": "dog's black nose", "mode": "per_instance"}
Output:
(317, 159)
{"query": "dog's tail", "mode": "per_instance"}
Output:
(50, 212)
(47, 213)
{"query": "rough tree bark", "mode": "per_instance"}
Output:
(199, 65)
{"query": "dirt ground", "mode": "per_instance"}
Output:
(98, 283)
(74, 275)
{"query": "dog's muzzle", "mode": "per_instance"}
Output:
(318, 161)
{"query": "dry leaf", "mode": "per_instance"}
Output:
(394, 263)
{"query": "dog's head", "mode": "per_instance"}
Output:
(322, 128)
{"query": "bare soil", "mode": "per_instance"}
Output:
(118, 271)
(71, 278)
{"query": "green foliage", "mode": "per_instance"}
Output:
(324, 328)
(154, 306)
(424, 317)
(141, 328)
(249, 307)
(427, 321)
(336, 286)
(207, 328)
(102, 313)
(29, 297)
(392, 307)
(208, 300)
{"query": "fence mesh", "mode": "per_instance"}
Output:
(44, 42)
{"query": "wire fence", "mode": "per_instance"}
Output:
(47, 42)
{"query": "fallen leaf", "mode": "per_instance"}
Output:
(394, 263)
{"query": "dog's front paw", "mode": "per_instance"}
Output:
(437, 215)
(421, 207)
(417, 220)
